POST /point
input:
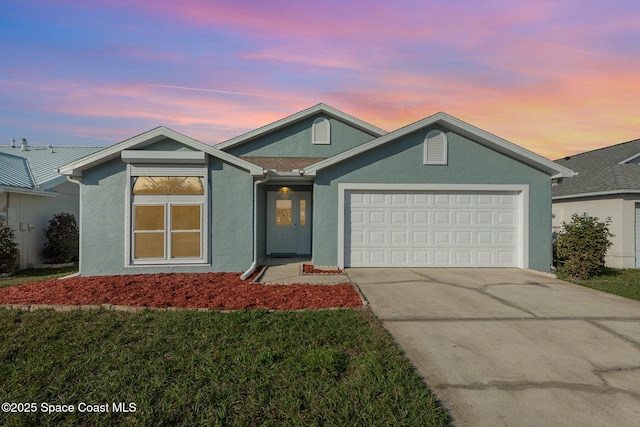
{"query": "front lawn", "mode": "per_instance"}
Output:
(36, 274)
(623, 282)
(245, 368)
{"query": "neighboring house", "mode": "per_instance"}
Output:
(321, 183)
(31, 192)
(607, 186)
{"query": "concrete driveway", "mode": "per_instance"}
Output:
(508, 347)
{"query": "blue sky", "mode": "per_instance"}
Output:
(554, 77)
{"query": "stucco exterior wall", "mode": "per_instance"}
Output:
(295, 141)
(104, 221)
(621, 210)
(29, 215)
(401, 161)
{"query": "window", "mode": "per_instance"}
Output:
(167, 215)
(321, 131)
(435, 148)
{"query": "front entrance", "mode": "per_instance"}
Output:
(288, 222)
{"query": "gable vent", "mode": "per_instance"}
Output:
(321, 131)
(435, 148)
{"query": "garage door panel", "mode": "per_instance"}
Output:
(432, 228)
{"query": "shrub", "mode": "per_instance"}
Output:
(8, 249)
(582, 245)
(62, 239)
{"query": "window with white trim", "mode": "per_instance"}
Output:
(167, 218)
(321, 131)
(435, 148)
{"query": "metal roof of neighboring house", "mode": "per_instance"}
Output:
(608, 170)
(14, 172)
(37, 166)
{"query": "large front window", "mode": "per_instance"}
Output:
(167, 219)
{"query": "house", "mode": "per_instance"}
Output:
(31, 192)
(321, 183)
(607, 186)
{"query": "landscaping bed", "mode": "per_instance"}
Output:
(220, 291)
(310, 269)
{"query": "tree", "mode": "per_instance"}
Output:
(62, 239)
(9, 251)
(582, 246)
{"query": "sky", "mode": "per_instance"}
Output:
(555, 77)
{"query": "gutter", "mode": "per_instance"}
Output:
(255, 226)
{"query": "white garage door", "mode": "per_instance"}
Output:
(432, 229)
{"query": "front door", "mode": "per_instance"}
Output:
(288, 222)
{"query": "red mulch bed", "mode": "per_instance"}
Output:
(220, 291)
(310, 269)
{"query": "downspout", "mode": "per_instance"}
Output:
(255, 227)
(77, 181)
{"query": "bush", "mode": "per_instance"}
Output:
(582, 245)
(62, 239)
(8, 249)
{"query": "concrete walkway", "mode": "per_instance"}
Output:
(507, 347)
(287, 271)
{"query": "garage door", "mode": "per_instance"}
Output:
(432, 229)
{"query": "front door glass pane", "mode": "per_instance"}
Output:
(303, 212)
(283, 212)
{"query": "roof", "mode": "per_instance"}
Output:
(37, 166)
(147, 138)
(283, 164)
(608, 170)
(462, 128)
(304, 114)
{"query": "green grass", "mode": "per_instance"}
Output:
(35, 275)
(248, 368)
(623, 282)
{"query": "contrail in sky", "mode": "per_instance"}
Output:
(227, 92)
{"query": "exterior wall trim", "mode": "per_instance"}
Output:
(523, 220)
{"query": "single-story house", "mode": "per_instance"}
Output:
(436, 193)
(607, 185)
(32, 192)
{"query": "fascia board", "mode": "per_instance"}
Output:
(31, 192)
(301, 115)
(595, 194)
(148, 138)
(460, 127)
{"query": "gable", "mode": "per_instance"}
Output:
(402, 161)
(448, 123)
(159, 143)
(296, 140)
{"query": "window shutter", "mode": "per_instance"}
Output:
(321, 131)
(435, 148)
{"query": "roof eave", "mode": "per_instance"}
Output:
(76, 168)
(597, 193)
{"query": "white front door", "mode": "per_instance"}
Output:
(288, 222)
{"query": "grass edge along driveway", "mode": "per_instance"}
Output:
(244, 368)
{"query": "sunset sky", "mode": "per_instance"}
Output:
(556, 77)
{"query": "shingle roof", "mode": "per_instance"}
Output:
(600, 171)
(38, 164)
(282, 164)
